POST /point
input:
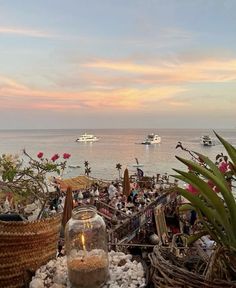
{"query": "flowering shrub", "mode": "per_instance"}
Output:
(28, 177)
(216, 211)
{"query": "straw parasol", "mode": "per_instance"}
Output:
(68, 206)
(126, 183)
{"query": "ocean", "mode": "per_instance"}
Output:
(115, 146)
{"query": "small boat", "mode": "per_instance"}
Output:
(74, 166)
(137, 164)
(152, 139)
(206, 140)
(87, 138)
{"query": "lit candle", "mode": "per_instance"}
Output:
(87, 258)
(83, 243)
(84, 247)
(90, 271)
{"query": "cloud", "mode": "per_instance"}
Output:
(14, 95)
(205, 70)
(24, 32)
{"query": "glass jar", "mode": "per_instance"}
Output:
(86, 248)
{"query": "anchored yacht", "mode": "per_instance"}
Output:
(87, 138)
(206, 140)
(152, 139)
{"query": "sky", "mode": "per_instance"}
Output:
(117, 64)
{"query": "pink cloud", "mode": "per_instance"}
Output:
(204, 70)
(16, 95)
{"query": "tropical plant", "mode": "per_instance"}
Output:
(87, 170)
(210, 194)
(28, 177)
(86, 164)
(118, 167)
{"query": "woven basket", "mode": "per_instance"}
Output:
(25, 246)
(165, 274)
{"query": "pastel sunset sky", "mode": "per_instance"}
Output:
(117, 64)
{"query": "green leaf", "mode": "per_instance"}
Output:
(4, 176)
(212, 199)
(222, 185)
(194, 237)
(185, 207)
(209, 213)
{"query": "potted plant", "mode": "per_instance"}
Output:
(26, 245)
(209, 191)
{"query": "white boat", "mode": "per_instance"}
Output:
(74, 166)
(87, 138)
(206, 140)
(138, 165)
(152, 139)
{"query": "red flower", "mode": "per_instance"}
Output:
(40, 155)
(66, 155)
(55, 157)
(216, 189)
(192, 190)
(190, 168)
(211, 184)
(223, 166)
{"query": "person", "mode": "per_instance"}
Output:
(112, 191)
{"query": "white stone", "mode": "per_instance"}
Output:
(55, 285)
(129, 275)
(36, 283)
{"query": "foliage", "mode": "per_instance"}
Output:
(87, 169)
(118, 167)
(210, 192)
(28, 177)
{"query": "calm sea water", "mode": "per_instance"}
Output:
(115, 146)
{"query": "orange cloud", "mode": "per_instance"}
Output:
(206, 70)
(15, 95)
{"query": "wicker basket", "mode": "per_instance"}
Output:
(166, 273)
(25, 246)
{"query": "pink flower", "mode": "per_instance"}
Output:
(66, 155)
(40, 155)
(55, 157)
(223, 166)
(192, 190)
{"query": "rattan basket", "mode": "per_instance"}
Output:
(25, 246)
(165, 273)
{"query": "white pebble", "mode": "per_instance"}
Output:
(55, 274)
(36, 283)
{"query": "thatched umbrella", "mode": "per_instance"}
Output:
(126, 183)
(68, 206)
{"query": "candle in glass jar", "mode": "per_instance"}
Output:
(86, 249)
(90, 271)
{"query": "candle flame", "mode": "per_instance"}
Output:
(83, 242)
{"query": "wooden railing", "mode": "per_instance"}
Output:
(129, 227)
(109, 211)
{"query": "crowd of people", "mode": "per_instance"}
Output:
(112, 194)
